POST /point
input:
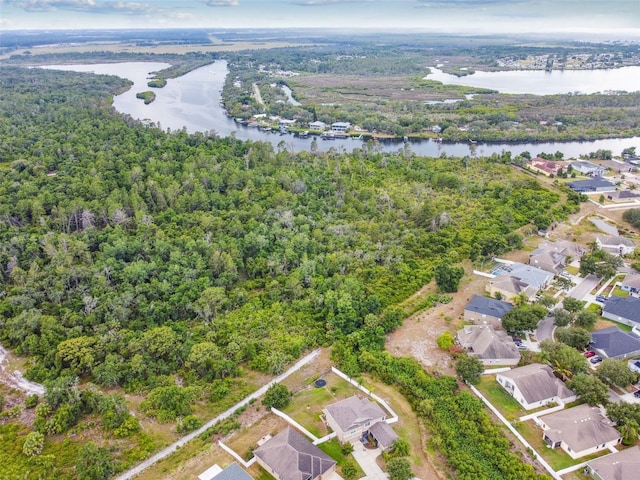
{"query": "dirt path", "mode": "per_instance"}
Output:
(15, 379)
(418, 334)
(256, 93)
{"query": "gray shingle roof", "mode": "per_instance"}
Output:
(354, 411)
(580, 427)
(614, 240)
(293, 457)
(383, 433)
(233, 472)
(614, 342)
(623, 465)
(488, 306)
(487, 344)
(592, 183)
(537, 382)
(628, 307)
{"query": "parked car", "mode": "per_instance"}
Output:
(521, 346)
(636, 394)
(595, 360)
(589, 354)
(601, 298)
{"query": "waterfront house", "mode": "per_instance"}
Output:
(588, 168)
(340, 127)
(544, 166)
(318, 125)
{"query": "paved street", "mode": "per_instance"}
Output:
(545, 329)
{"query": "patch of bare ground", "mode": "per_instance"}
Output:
(418, 334)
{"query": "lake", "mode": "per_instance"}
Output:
(193, 102)
(540, 82)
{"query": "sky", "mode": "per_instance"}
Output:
(598, 17)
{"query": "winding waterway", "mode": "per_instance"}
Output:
(193, 102)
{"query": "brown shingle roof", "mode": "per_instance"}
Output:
(624, 465)
(354, 411)
(537, 382)
(580, 427)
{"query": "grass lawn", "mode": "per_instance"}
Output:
(306, 406)
(618, 292)
(245, 440)
(499, 398)
(556, 457)
(604, 323)
(334, 450)
(572, 270)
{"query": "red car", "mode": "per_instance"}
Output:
(589, 354)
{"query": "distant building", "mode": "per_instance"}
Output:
(595, 184)
(318, 125)
(623, 196)
(615, 244)
(547, 167)
(340, 127)
(588, 168)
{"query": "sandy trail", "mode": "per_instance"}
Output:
(15, 379)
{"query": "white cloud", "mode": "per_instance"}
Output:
(89, 6)
(222, 3)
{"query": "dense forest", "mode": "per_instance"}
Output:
(167, 264)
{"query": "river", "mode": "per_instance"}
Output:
(193, 102)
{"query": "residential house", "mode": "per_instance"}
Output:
(579, 431)
(595, 184)
(554, 256)
(318, 125)
(544, 166)
(491, 347)
(588, 168)
(290, 456)
(622, 465)
(631, 284)
(232, 472)
(509, 287)
(634, 365)
(354, 418)
(623, 196)
(615, 244)
(548, 260)
(485, 310)
(340, 127)
(534, 386)
(612, 342)
(622, 310)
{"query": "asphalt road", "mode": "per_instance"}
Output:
(545, 329)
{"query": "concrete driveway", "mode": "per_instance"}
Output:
(367, 460)
(584, 288)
